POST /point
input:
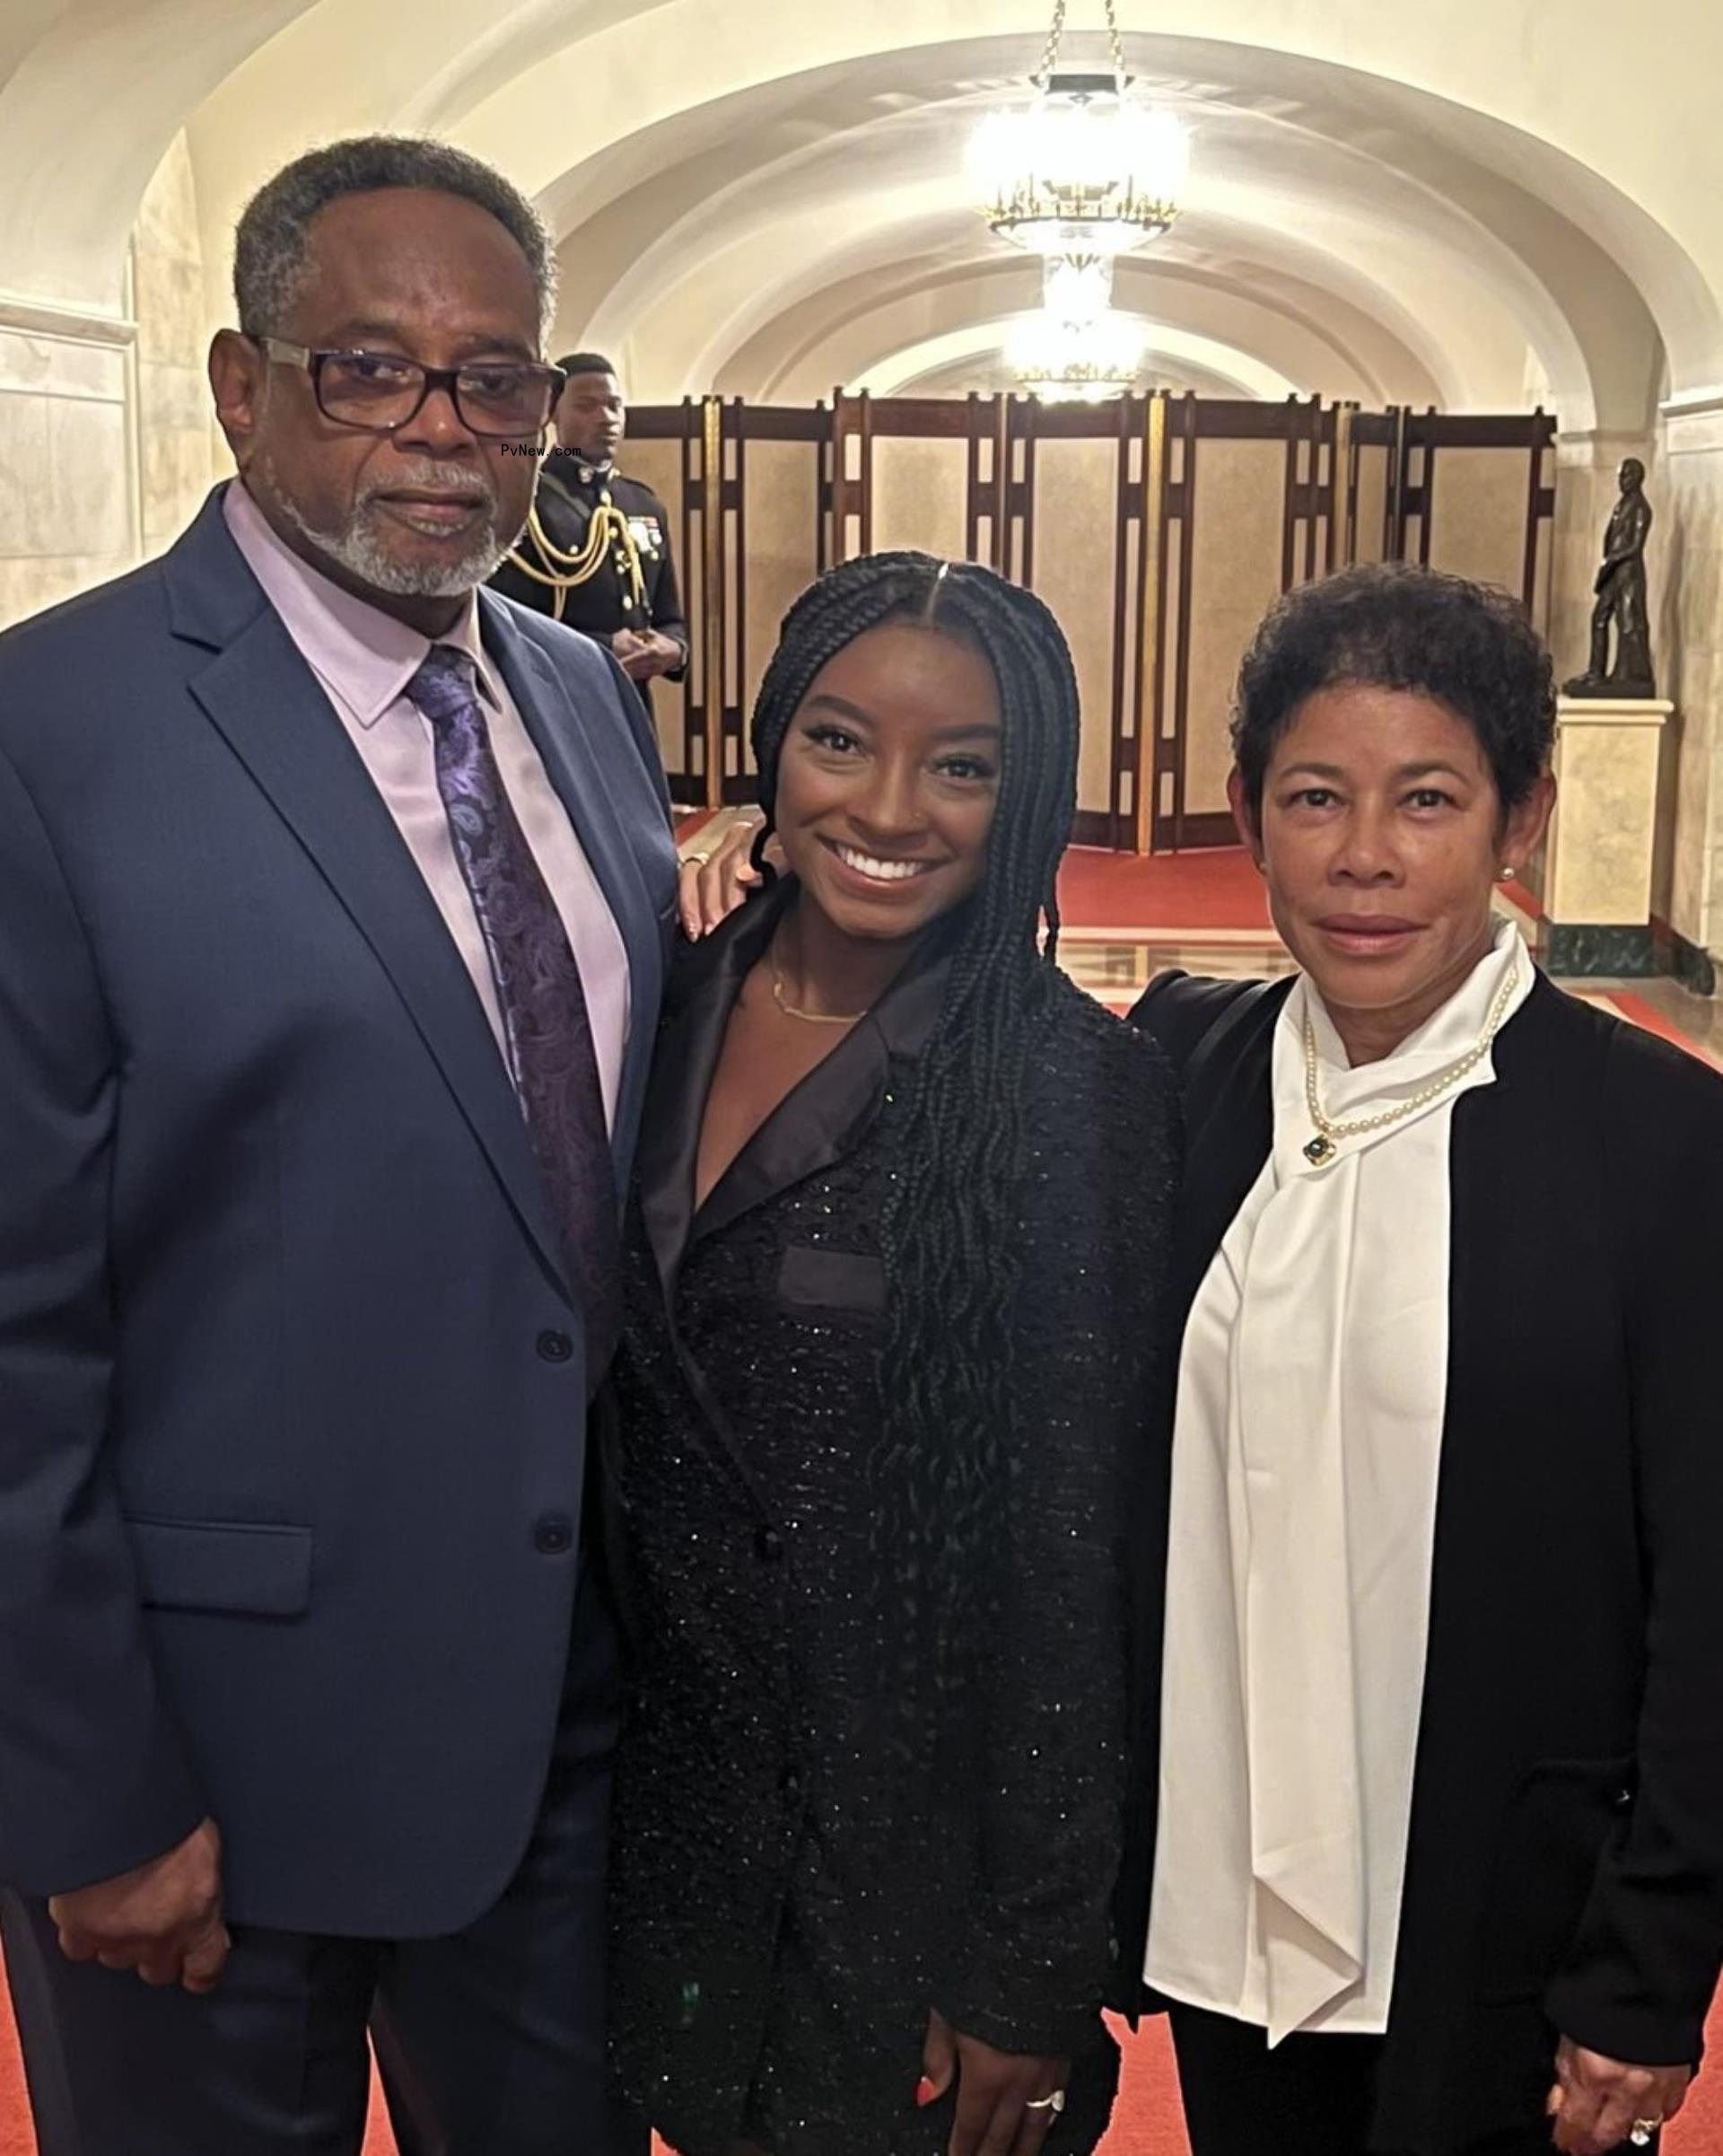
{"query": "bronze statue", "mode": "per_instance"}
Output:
(1620, 586)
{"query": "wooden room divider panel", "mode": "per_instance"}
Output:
(1158, 528)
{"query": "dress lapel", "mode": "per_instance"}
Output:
(266, 701)
(815, 1123)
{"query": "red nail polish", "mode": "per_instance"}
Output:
(924, 2093)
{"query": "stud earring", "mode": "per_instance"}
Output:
(1507, 873)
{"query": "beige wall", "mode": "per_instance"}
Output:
(1687, 544)
(179, 453)
(105, 446)
(67, 511)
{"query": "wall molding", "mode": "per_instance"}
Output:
(1692, 402)
(71, 325)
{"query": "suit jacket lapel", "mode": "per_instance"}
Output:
(562, 734)
(263, 698)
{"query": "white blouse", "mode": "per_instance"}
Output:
(1311, 1394)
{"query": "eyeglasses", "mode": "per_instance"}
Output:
(381, 392)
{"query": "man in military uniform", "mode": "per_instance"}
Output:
(596, 551)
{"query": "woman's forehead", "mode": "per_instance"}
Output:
(1364, 722)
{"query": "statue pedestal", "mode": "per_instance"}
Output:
(1598, 857)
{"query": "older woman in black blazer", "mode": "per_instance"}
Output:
(1431, 1858)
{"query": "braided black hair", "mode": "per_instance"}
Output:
(949, 1235)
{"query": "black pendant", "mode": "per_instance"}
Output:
(1320, 1151)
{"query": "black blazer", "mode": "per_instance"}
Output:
(1565, 1868)
(760, 1758)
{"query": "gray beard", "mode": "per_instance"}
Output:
(358, 552)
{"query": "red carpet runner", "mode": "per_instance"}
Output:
(1147, 2123)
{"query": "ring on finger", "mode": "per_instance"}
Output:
(698, 860)
(1055, 2103)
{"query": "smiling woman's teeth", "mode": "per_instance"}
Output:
(882, 872)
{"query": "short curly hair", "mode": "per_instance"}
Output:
(271, 243)
(1394, 625)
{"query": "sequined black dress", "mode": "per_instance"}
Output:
(778, 1940)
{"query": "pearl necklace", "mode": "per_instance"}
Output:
(1323, 1148)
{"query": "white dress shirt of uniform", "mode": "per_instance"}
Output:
(364, 659)
(1311, 1394)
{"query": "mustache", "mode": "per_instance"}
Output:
(472, 485)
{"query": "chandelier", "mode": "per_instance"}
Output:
(1085, 169)
(1076, 348)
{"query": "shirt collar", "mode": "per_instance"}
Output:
(586, 472)
(361, 654)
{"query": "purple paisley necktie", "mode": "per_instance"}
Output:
(545, 1021)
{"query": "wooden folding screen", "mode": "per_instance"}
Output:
(1158, 528)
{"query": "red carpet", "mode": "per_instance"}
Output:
(1217, 887)
(1147, 2121)
(1150, 2126)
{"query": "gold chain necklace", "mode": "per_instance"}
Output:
(812, 1018)
(1323, 1148)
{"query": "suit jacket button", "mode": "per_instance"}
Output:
(553, 1536)
(768, 1545)
(555, 1347)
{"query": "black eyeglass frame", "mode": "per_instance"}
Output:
(313, 361)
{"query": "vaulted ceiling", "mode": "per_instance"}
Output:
(1457, 204)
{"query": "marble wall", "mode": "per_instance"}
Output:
(68, 510)
(1688, 615)
(105, 440)
(1599, 852)
(176, 444)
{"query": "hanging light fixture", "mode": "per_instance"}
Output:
(1076, 348)
(1085, 169)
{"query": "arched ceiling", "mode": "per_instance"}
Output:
(1434, 205)
(777, 208)
(971, 357)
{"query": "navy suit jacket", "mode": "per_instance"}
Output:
(293, 1403)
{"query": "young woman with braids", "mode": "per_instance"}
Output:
(892, 1311)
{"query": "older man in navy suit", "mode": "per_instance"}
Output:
(336, 897)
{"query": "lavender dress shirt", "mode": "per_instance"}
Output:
(364, 659)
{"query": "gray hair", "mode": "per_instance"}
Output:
(269, 244)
